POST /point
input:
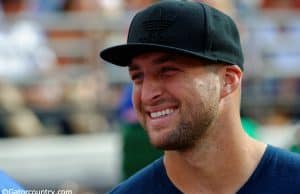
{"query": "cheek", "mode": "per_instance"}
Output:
(137, 105)
(207, 88)
(136, 99)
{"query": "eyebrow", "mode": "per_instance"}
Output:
(159, 60)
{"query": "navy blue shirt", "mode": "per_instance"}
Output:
(278, 172)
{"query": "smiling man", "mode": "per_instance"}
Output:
(168, 94)
(186, 64)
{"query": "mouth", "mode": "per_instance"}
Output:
(163, 117)
(161, 113)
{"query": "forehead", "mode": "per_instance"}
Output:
(150, 56)
(156, 58)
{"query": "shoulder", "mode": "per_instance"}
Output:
(284, 164)
(284, 157)
(142, 181)
(7, 182)
(278, 172)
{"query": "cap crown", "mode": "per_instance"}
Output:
(184, 27)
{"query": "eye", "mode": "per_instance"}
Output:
(137, 77)
(169, 70)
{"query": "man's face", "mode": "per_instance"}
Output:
(176, 98)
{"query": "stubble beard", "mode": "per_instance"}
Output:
(190, 129)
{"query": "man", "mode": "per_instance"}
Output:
(24, 44)
(186, 64)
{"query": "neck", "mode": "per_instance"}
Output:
(221, 162)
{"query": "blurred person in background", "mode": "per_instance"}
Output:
(82, 98)
(280, 4)
(80, 5)
(187, 95)
(56, 6)
(135, 5)
(24, 55)
(23, 44)
(296, 146)
(8, 185)
(17, 119)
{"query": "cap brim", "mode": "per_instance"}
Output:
(122, 55)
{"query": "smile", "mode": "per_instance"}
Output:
(161, 113)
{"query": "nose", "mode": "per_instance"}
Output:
(151, 90)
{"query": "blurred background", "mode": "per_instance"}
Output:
(66, 116)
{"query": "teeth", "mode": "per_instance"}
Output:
(161, 113)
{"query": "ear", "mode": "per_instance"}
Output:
(231, 78)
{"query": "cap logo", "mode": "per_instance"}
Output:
(158, 21)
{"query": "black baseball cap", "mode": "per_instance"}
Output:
(183, 27)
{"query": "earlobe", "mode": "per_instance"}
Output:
(231, 79)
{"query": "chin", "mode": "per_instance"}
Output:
(171, 147)
(168, 143)
(158, 139)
